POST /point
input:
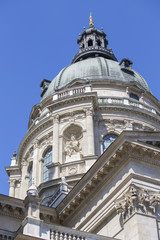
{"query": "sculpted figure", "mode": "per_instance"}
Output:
(72, 146)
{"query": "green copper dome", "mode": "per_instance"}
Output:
(93, 62)
(94, 69)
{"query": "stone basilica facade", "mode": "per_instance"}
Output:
(89, 164)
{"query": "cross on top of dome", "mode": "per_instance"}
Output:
(91, 23)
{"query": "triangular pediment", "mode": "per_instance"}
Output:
(129, 146)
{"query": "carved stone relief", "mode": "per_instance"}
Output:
(71, 117)
(137, 199)
(72, 146)
(72, 170)
(113, 125)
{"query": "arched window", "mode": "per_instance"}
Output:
(98, 42)
(30, 175)
(90, 43)
(107, 140)
(134, 96)
(47, 161)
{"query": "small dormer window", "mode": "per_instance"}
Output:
(98, 42)
(134, 96)
(90, 43)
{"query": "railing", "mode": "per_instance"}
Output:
(4, 235)
(72, 92)
(65, 233)
(56, 235)
(125, 101)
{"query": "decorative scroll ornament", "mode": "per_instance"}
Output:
(137, 199)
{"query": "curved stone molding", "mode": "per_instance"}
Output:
(137, 199)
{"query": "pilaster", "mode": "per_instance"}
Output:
(24, 182)
(55, 154)
(12, 187)
(90, 131)
(36, 170)
(55, 151)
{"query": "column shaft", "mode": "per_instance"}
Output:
(55, 157)
(90, 132)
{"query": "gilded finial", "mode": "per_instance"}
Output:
(91, 23)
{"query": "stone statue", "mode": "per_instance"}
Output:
(72, 147)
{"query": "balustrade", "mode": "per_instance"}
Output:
(57, 235)
(121, 101)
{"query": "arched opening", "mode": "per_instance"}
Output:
(90, 43)
(98, 42)
(134, 96)
(47, 160)
(107, 140)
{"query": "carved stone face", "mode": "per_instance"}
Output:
(133, 192)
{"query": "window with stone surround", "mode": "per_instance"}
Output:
(107, 140)
(47, 160)
(134, 96)
(90, 43)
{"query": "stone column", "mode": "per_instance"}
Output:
(102, 40)
(55, 155)
(12, 187)
(85, 43)
(24, 181)
(97, 146)
(90, 131)
(36, 170)
(94, 40)
(61, 149)
(40, 171)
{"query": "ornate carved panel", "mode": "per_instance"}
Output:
(137, 199)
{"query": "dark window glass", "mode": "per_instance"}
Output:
(107, 140)
(90, 43)
(98, 42)
(134, 96)
(47, 161)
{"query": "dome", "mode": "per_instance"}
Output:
(93, 69)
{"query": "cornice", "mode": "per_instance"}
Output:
(94, 178)
(130, 109)
(80, 98)
(11, 207)
(30, 134)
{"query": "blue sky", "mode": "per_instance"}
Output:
(38, 38)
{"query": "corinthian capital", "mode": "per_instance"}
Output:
(12, 182)
(55, 118)
(137, 199)
(89, 111)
